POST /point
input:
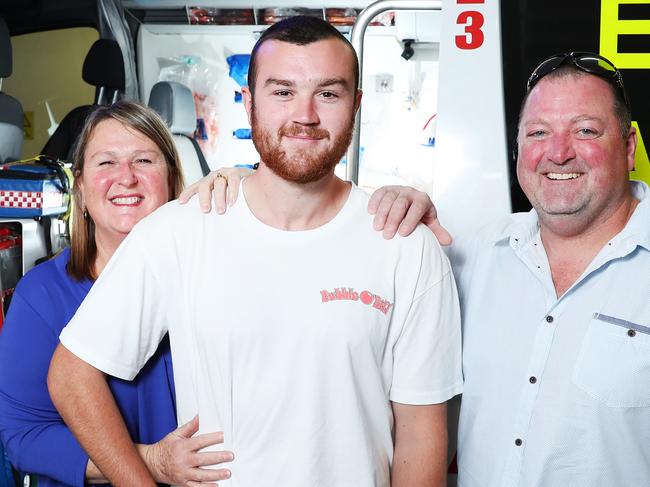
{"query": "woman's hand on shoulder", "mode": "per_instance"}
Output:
(221, 185)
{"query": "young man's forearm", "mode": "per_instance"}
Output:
(420, 455)
(81, 394)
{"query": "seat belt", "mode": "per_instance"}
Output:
(205, 169)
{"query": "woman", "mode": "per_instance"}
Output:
(126, 166)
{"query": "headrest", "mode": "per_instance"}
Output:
(11, 111)
(6, 60)
(104, 65)
(11, 128)
(175, 104)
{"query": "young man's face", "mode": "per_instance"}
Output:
(573, 160)
(303, 110)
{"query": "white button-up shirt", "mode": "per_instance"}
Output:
(557, 390)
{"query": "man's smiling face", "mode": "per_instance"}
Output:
(573, 160)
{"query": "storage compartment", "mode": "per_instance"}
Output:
(11, 263)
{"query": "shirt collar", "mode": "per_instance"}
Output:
(638, 227)
(521, 228)
(524, 226)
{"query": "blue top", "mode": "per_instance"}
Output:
(34, 435)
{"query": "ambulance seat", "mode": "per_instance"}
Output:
(175, 104)
(103, 68)
(11, 111)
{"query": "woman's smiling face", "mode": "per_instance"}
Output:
(124, 179)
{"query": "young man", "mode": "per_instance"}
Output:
(327, 353)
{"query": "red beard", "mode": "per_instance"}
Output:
(303, 166)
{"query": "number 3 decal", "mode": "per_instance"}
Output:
(473, 37)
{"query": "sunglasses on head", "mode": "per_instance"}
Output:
(588, 62)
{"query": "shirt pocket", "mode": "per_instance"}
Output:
(613, 365)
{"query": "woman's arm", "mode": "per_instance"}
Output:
(83, 398)
(81, 394)
(35, 437)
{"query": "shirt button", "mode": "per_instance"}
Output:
(518, 442)
(549, 319)
(532, 380)
(631, 333)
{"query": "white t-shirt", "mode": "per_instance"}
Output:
(292, 343)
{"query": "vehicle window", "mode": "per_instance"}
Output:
(47, 71)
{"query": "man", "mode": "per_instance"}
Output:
(324, 352)
(556, 303)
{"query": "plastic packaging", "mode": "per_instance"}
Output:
(221, 16)
(202, 77)
(273, 15)
(341, 16)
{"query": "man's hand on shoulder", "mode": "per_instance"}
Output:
(401, 208)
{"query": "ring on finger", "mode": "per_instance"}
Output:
(222, 176)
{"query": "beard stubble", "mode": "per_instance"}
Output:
(302, 166)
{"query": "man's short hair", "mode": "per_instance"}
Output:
(300, 30)
(621, 109)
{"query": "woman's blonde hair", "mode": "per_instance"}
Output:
(134, 116)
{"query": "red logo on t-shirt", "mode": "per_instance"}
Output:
(349, 294)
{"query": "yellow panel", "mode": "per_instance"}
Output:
(632, 26)
(611, 27)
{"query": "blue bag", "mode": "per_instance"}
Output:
(238, 64)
